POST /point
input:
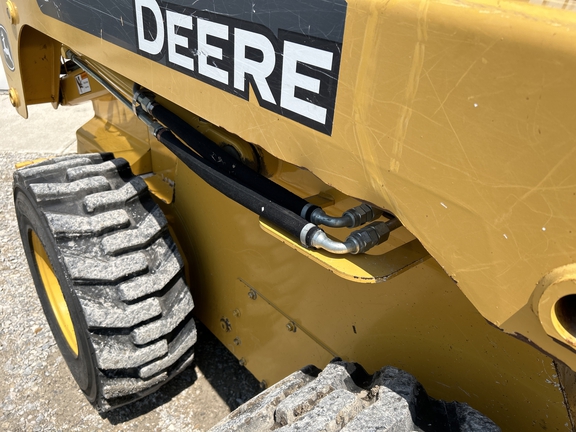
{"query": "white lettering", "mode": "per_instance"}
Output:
(173, 22)
(209, 28)
(294, 54)
(259, 70)
(155, 45)
(233, 55)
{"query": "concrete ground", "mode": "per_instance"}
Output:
(37, 392)
(3, 81)
(46, 131)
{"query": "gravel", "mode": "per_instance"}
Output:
(37, 392)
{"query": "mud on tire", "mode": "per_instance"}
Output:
(343, 397)
(118, 271)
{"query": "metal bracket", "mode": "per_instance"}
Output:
(362, 268)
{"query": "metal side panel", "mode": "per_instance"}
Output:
(419, 321)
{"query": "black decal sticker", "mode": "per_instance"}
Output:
(287, 52)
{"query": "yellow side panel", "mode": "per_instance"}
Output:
(419, 321)
(115, 129)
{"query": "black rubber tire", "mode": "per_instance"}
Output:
(119, 271)
(343, 397)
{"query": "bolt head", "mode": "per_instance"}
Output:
(225, 324)
(13, 95)
(11, 12)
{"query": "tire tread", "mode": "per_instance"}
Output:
(122, 267)
(343, 397)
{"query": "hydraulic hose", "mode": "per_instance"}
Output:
(351, 218)
(226, 163)
(309, 234)
(253, 201)
(294, 223)
(359, 241)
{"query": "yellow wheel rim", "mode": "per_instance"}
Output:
(54, 293)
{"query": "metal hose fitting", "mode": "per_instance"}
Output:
(351, 218)
(358, 242)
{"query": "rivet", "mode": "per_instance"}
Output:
(236, 313)
(237, 341)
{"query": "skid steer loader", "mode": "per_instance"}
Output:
(382, 189)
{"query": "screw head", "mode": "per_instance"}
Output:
(225, 324)
(252, 294)
(236, 313)
(291, 326)
(263, 384)
(242, 361)
(237, 341)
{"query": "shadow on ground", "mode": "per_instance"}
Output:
(232, 382)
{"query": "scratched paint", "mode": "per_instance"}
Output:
(288, 53)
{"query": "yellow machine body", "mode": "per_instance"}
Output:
(458, 117)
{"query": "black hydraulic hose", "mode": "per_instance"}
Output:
(227, 164)
(253, 201)
(308, 233)
(393, 223)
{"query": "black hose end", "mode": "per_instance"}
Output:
(393, 223)
(307, 211)
(158, 132)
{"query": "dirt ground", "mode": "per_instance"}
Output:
(37, 392)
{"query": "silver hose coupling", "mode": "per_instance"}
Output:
(358, 242)
(145, 100)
